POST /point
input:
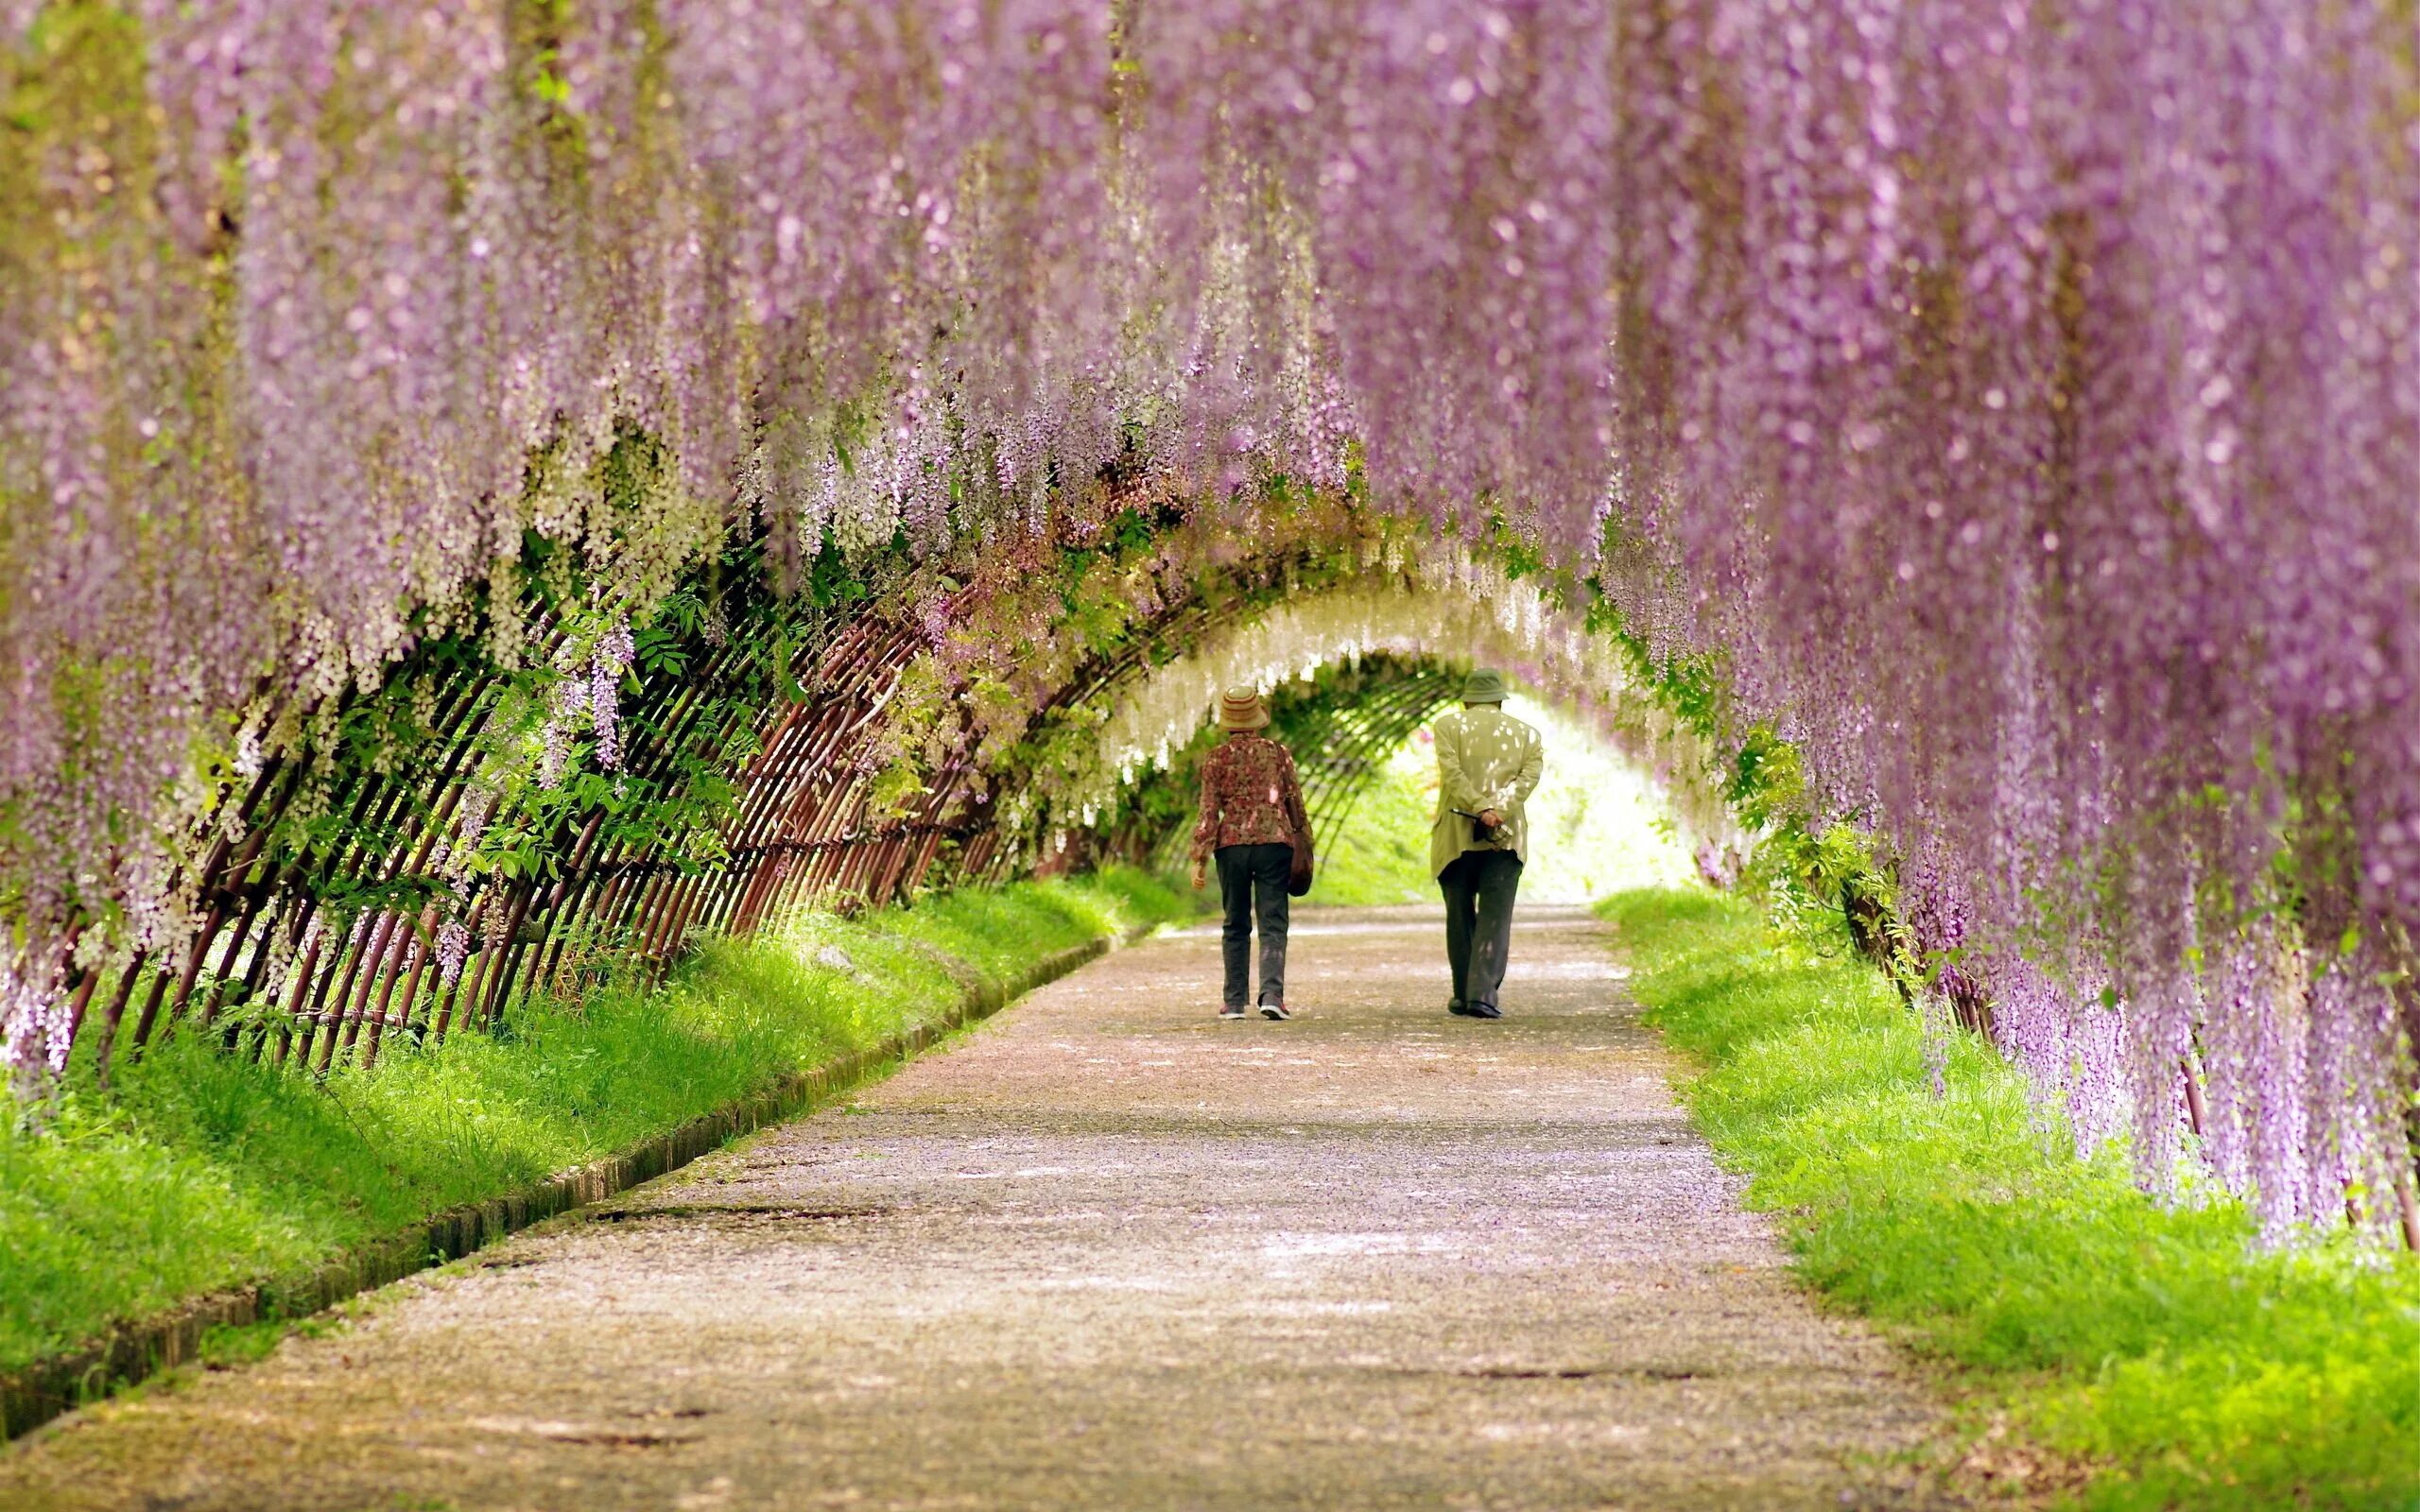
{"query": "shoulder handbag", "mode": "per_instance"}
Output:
(1298, 881)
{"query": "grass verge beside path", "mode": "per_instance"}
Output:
(2159, 1346)
(202, 1171)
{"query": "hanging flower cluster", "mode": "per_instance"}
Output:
(35, 1032)
(589, 692)
(2020, 408)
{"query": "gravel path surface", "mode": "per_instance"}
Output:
(1108, 1252)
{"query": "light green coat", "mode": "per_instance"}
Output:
(1486, 759)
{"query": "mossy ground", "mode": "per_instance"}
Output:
(2159, 1346)
(200, 1170)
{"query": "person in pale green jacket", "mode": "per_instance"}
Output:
(1488, 763)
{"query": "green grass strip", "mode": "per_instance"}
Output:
(2160, 1345)
(200, 1170)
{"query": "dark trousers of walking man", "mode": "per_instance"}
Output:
(1488, 763)
(1252, 884)
(1479, 888)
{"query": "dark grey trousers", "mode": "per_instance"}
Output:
(1252, 883)
(1479, 888)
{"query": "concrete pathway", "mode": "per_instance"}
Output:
(1111, 1253)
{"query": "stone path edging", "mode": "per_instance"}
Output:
(136, 1350)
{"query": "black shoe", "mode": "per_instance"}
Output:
(1275, 1010)
(1232, 1011)
(1476, 1010)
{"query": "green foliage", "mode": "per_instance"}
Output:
(1692, 687)
(1381, 856)
(479, 698)
(1808, 869)
(204, 1170)
(2158, 1344)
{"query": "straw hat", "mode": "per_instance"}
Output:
(1483, 686)
(1240, 708)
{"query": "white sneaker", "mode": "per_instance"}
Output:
(1273, 1011)
(1230, 1013)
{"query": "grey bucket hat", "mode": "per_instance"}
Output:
(1483, 686)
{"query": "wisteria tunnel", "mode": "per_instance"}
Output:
(748, 750)
(498, 497)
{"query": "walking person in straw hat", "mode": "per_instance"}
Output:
(1488, 763)
(1253, 821)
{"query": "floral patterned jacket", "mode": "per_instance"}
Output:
(1250, 796)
